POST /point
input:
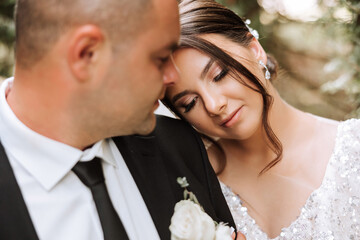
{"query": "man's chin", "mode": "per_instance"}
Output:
(147, 126)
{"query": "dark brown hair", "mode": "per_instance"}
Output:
(199, 17)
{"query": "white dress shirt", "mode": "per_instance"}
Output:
(60, 205)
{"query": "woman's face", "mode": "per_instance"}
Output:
(210, 99)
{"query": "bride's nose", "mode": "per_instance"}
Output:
(215, 103)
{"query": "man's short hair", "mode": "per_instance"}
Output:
(40, 23)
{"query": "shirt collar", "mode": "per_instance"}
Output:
(101, 150)
(47, 160)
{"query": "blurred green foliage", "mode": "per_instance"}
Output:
(7, 37)
(342, 21)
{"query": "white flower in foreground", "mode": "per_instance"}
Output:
(223, 232)
(191, 222)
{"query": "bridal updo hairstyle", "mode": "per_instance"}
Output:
(198, 17)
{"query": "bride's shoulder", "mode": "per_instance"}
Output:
(327, 129)
(326, 122)
(349, 128)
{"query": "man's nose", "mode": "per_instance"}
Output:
(171, 73)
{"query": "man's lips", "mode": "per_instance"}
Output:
(228, 119)
(161, 96)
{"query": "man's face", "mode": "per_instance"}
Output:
(137, 77)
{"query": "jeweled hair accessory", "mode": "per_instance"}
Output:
(251, 30)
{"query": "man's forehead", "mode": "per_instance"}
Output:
(166, 12)
(161, 31)
(166, 26)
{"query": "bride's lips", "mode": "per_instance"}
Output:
(232, 118)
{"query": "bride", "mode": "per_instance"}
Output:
(286, 174)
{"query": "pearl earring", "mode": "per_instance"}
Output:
(267, 73)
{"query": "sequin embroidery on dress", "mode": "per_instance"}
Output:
(332, 211)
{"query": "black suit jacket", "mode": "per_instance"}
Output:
(173, 150)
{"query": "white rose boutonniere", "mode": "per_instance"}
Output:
(191, 222)
(223, 232)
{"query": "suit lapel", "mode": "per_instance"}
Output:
(15, 220)
(144, 161)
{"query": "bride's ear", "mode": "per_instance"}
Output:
(258, 51)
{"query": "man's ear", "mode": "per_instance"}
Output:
(258, 51)
(86, 46)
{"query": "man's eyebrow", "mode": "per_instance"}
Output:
(179, 95)
(206, 68)
(172, 47)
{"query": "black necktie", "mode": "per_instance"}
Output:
(91, 174)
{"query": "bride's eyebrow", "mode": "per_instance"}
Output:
(207, 68)
(180, 95)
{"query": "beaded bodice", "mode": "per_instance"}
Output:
(333, 210)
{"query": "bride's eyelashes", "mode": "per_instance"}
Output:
(189, 106)
(221, 75)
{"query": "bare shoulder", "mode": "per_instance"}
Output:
(328, 128)
(322, 135)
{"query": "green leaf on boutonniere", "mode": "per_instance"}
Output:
(182, 181)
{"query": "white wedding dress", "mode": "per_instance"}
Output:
(333, 210)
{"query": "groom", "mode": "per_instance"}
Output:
(86, 71)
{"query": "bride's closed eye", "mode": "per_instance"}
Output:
(221, 75)
(190, 105)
